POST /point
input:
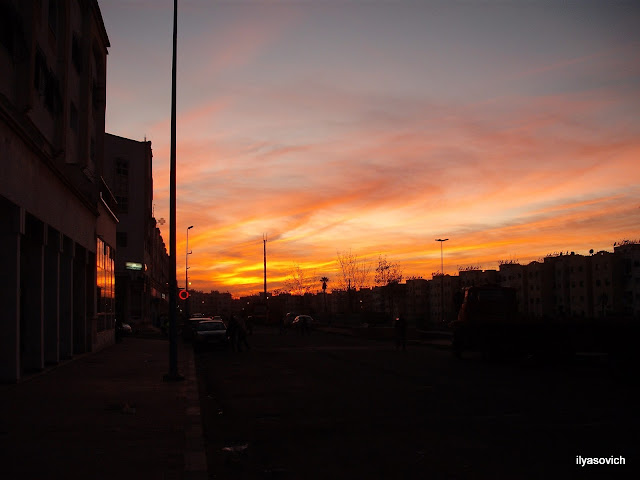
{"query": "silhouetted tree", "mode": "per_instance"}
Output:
(324, 281)
(298, 282)
(388, 276)
(355, 271)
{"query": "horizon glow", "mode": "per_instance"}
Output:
(378, 126)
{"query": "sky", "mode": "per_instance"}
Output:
(512, 128)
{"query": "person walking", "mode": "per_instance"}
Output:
(305, 327)
(242, 334)
(232, 332)
(400, 327)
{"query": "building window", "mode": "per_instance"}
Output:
(76, 52)
(53, 16)
(73, 117)
(121, 184)
(105, 286)
(40, 72)
(122, 167)
(12, 35)
(123, 204)
(46, 84)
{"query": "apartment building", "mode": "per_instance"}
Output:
(142, 262)
(572, 285)
(541, 300)
(444, 298)
(417, 301)
(514, 275)
(475, 276)
(629, 255)
(58, 229)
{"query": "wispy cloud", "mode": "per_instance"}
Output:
(511, 151)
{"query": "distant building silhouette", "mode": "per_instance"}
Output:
(629, 255)
(58, 228)
(604, 284)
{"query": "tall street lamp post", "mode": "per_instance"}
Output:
(186, 276)
(173, 374)
(441, 240)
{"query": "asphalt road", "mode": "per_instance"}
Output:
(333, 406)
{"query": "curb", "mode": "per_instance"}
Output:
(195, 457)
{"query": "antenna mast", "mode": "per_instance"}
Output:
(264, 244)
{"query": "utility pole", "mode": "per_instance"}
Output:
(173, 374)
(266, 304)
(186, 277)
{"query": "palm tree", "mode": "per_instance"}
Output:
(324, 281)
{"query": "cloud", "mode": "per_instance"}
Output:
(509, 162)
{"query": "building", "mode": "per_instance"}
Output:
(58, 227)
(514, 275)
(472, 277)
(142, 262)
(444, 299)
(211, 304)
(629, 255)
(607, 284)
(541, 297)
(572, 285)
(417, 301)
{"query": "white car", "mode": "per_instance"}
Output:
(210, 332)
(189, 326)
(303, 322)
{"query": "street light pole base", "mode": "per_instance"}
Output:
(173, 377)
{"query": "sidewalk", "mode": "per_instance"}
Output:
(105, 415)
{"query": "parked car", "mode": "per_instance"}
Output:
(210, 332)
(287, 320)
(189, 326)
(123, 329)
(303, 323)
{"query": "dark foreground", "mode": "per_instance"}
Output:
(333, 406)
(105, 415)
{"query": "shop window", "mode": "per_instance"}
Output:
(105, 286)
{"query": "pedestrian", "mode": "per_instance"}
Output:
(305, 327)
(242, 334)
(400, 327)
(249, 325)
(232, 332)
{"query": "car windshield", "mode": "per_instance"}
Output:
(210, 326)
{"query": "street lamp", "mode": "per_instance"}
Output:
(186, 274)
(441, 240)
(173, 374)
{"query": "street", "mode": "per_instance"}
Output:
(329, 405)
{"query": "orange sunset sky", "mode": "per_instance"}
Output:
(511, 128)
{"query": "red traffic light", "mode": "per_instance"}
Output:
(183, 294)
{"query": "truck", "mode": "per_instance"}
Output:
(489, 322)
